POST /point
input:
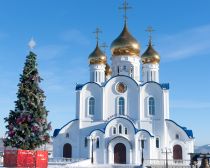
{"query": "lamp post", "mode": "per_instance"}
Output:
(141, 143)
(167, 151)
(92, 139)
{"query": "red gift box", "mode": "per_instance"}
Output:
(25, 158)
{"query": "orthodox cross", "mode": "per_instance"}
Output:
(104, 46)
(125, 7)
(97, 33)
(150, 30)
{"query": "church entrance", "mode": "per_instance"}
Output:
(67, 151)
(177, 152)
(120, 153)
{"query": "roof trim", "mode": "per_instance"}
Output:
(143, 130)
(56, 131)
(135, 130)
(189, 133)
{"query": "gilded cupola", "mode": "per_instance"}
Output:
(125, 44)
(97, 56)
(150, 56)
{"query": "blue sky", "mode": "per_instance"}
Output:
(63, 33)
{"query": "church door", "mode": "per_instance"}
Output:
(120, 153)
(177, 152)
(67, 151)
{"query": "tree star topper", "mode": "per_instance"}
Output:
(32, 44)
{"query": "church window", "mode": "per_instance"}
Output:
(177, 136)
(157, 143)
(124, 68)
(121, 105)
(151, 106)
(120, 129)
(126, 131)
(114, 130)
(91, 106)
(97, 142)
(67, 135)
(86, 142)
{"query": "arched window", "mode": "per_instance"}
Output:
(151, 106)
(120, 129)
(91, 106)
(126, 131)
(114, 130)
(157, 143)
(67, 135)
(86, 142)
(177, 136)
(97, 142)
(121, 105)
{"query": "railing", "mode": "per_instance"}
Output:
(162, 162)
(65, 160)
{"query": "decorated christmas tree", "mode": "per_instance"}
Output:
(27, 125)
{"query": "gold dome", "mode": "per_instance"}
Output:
(150, 55)
(108, 70)
(125, 44)
(97, 56)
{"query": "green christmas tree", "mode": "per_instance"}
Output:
(27, 126)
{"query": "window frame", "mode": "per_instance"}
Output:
(151, 106)
(121, 106)
(91, 106)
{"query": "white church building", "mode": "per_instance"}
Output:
(122, 112)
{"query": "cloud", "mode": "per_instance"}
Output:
(190, 104)
(189, 43)
(74, 36)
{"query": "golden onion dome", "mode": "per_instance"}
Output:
(108, 70)
(125, 44)
(150, 55)
(97, 56)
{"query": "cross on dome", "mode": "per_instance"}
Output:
(104, 46)
(150, 30)
(125, 7)
(98, 30)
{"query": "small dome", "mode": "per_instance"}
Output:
(97, 56)
(125, 44)
(108, 70)
(150, 55)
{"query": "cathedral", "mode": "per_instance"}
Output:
(122, 112)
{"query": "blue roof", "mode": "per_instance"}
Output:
(188, 132)
(56, 131)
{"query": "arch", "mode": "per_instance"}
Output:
(177, 152)
(67, 150)
(121, 106)
(151, 106)
(91, 104)
(120, 153)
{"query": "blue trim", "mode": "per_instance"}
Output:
(145, 131)
(163, 85)
(56, 131)
(96, 130)
(80, 86)
(122, 138)
(122, 76)
(135, 130)
(188, 132)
